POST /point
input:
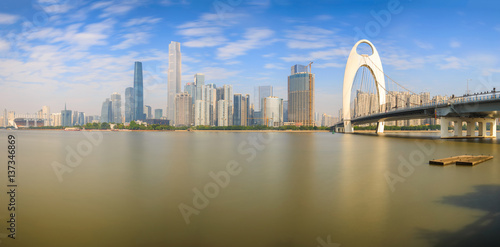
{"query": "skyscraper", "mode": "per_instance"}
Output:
(174, 78)
(301, 98)
(5, 118)
(116, 105)
(158, 113)
(46, 116)
(138, 92)
(285, 110)
(183, 113)
(66, 117)
(299, 69)
(272, 111)
(240, 113)
(261, 92)
(225, 93)
(81, 118)
(129, 104)
(147, 112)
(106, 112)
(199, 79)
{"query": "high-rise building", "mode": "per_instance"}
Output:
(106, 112)
(10, 117)
(299, 69)
(56, 119)
(116, 105)
(190, 88)
(204, 105)
(174, 78)
(138, 92)
(285, 110)
(183, 113)
(261, 92)
(81, 118)
(327, 120)
(147, 112)
(74, 118)
(46, 116)
(240, 113)
(199, 79)
(301, 98)
(66, 117)
(129, 104)
(222, 113)
(272, 111)
(158, 113)
(5, 118)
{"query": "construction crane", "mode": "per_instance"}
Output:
(310, 94)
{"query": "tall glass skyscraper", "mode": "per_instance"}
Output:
(129, 104)
(66, 117)
(301, 98)
(199, 79)
(106, 112)
(174, 78)
(138, 92)
(116, 104)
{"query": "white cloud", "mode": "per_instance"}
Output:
(452, 63)
(455, 44)
(4, 45)
(331, 54)
(132, 39)
(140, 21)
(253, 38)
(205, 42)
(424, 45)
(329, 65)
(173, 2)
(323, 17)
(274, 66)
(309, 37)
(217, 73)
(8, 18)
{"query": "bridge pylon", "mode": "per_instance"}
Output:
(457, 131)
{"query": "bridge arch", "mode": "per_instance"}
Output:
(354, 63)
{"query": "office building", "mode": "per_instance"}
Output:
(285, 111)
(158, 113)
(240, 114)
(301, 98)
(129, 104)
(116, 105)
(138, 92)
(148, 112)
(272, 111)
(56, 119)
(183, 113)
(66, 116)
(222, 113)
(174, 79)
(81, 118)
(199, 79)
(106, 112)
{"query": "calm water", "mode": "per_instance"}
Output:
(292, 189)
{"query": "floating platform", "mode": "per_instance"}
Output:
(469, 160)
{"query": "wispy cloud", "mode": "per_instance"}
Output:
(8, 18)
(141, 21)
(424, 45)
(309, 37)
(274, 66)
(252, 39)
(132, 39)
(455, 44)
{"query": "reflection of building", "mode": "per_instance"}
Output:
(272, 110)
(183, 113)
(301, 97)
(28, 122)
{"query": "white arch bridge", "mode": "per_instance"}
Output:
(481, 108)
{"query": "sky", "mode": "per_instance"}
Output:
(79, 52)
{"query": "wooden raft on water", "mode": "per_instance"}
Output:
(469, 160)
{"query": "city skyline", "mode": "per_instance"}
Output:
(237, 47)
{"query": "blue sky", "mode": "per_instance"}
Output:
(80, 52)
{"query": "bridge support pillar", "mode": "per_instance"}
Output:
(458, 128)
(380, 127)
(445, 123)
(348, 127)
(471, 125)
(493, 128)
(482, 128)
